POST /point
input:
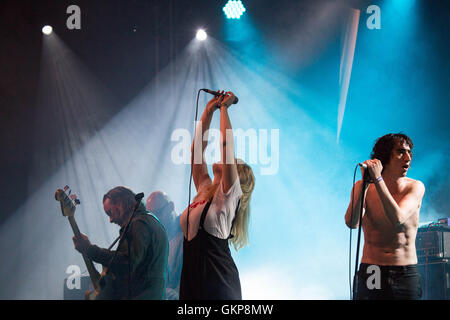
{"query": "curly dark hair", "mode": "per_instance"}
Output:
(384, 145)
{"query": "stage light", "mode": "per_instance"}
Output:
(201, 35)
(47, 30)
(234, 9)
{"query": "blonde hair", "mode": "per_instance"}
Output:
(242, 219)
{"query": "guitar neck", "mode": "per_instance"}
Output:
(93, 274)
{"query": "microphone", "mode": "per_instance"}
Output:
(366, 176)
(217, 94)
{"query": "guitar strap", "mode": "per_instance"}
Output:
(138, 199)
(119, 238)
(115, 241)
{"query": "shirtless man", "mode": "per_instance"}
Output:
(390, 222)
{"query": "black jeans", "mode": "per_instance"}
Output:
(388, 282)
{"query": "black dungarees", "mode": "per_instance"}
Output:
(209, 272)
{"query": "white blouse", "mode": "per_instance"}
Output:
(220, 214)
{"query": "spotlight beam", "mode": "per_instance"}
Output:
(348, 53)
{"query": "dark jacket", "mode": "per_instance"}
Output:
(142, 253)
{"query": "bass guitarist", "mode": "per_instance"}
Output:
(137, 268)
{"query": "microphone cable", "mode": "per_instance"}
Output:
(192, 165)
(350, 244)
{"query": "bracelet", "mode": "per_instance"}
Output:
(379, 179)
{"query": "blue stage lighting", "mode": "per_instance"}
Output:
(234, 9)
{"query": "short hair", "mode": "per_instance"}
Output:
(384, 145)
(122, 195)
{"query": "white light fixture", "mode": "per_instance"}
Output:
(201, 35)
(47, 30)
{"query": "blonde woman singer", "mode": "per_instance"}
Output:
(219, 214)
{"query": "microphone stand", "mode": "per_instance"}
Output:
(366, 180)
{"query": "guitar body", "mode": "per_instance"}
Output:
(106, 283)
(105, 288)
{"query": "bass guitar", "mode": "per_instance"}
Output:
(68, 203)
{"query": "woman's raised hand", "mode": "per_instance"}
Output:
(215, 102)
(228, 99)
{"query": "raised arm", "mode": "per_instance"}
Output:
(199, 169)
(229, 168)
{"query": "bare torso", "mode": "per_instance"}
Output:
(384, 243)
